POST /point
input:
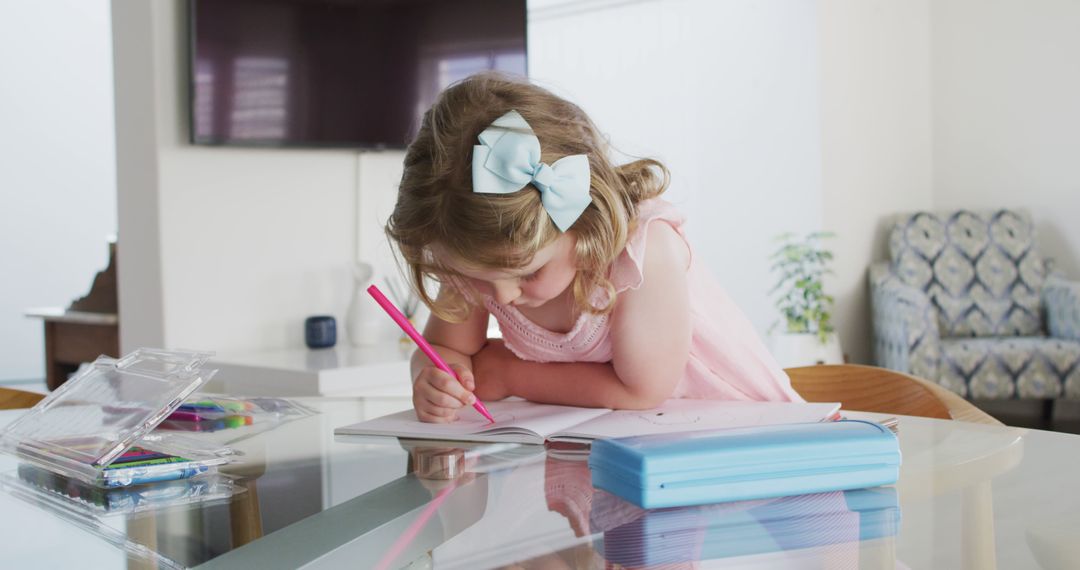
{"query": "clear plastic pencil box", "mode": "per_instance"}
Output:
(108, 408)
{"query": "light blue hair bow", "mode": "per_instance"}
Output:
(508, 159)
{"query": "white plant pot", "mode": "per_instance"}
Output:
(805, 349)
(366, 324)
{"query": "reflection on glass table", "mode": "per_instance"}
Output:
(972, 496)
(835, 523)
(856, 526)
(285, 472)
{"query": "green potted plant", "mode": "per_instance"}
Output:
(807, 336)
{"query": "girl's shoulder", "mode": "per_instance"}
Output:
(657, 208)
(628, 270)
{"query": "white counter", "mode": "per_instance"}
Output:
(372, 371)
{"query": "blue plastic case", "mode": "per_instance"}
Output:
(673, 470)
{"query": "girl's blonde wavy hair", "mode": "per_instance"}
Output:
(436, 205)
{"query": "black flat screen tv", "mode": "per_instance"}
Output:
(338, 73)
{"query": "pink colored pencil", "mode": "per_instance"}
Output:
(417, 525)
(410, 330)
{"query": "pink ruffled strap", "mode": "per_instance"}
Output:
(628, 270)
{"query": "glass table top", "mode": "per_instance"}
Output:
(969, 496)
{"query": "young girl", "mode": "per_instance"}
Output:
(510, 202)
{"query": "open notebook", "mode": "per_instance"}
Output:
(518, 421)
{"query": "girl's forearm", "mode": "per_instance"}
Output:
(586, 384)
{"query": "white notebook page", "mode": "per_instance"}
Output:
(511, 416)
(695, 415)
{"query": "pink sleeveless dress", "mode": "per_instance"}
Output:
(727, 358)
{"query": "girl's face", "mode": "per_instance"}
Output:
(547, 276)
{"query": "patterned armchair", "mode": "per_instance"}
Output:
(967, 301)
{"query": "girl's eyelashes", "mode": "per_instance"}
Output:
(531, 276)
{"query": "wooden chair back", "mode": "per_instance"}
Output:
(871, 389)
(12, 399)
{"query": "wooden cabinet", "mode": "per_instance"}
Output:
(74, 337)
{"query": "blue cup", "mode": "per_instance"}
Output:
(320, 331)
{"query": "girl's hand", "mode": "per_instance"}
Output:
(437, 396)
(491, 369)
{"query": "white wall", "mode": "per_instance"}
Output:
(876, 141)
(57, 165)
(1006, 91)
(773, 116)
(726, 94)
(221, 249)
(229, 249)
